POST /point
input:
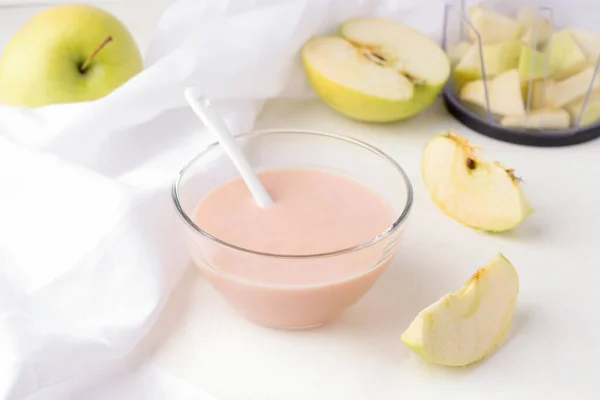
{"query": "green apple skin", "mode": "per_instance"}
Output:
(533, 65)
(366, 108)
(565, 56)
(41, 63)
(416, 346)
(472, 300)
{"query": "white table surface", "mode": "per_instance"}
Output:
(551, 350)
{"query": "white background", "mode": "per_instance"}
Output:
(551, 351)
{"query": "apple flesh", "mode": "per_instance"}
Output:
(533, 64)
(492, 26)
(539, 93)
(591, 112)
(504, 93)
(539, 119)
(565, 56)
(68, 53)
(466, 326)
(456, 53)
(480, 194)
(376, 70)
(588, 42)
(561, 93)
(536, 28)
(497, 58)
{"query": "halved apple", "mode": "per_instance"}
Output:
(497, 58)
(377, 70)
(492, 26)
(464, 327)
(480, 194)
(561, 93)
(504, 93)
(539, 119)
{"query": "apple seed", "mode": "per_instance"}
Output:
(373, 56)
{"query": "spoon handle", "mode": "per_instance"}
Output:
(202, 108)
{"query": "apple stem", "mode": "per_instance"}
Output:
(471, 163)
(87, 62)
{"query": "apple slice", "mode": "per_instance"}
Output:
(561, 93)
(497, 58)
(588, 42)
(566, 57)
(377, 71)
(533, 64)
(539, 119)
(527, 18)
(480, 194)
(492, 26)
(591, 114)
(466, 326)
(504, 91)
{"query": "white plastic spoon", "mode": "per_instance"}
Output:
(201, 106)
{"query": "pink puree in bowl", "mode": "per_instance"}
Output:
(315, 212)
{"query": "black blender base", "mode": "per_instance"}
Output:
(522, 137)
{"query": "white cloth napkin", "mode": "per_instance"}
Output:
(89, 249)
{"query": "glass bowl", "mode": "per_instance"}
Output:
(239, 274)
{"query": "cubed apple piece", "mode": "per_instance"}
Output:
(504, 91)
(561, 93)
(566, 57)
(539, 119)
(533, 64)
(493, 27)
(591, 113)
(588, 42)
(539, 93)
(497, 58)
(530, 18)
(457, 52)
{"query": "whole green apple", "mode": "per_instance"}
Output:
(65, 54)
